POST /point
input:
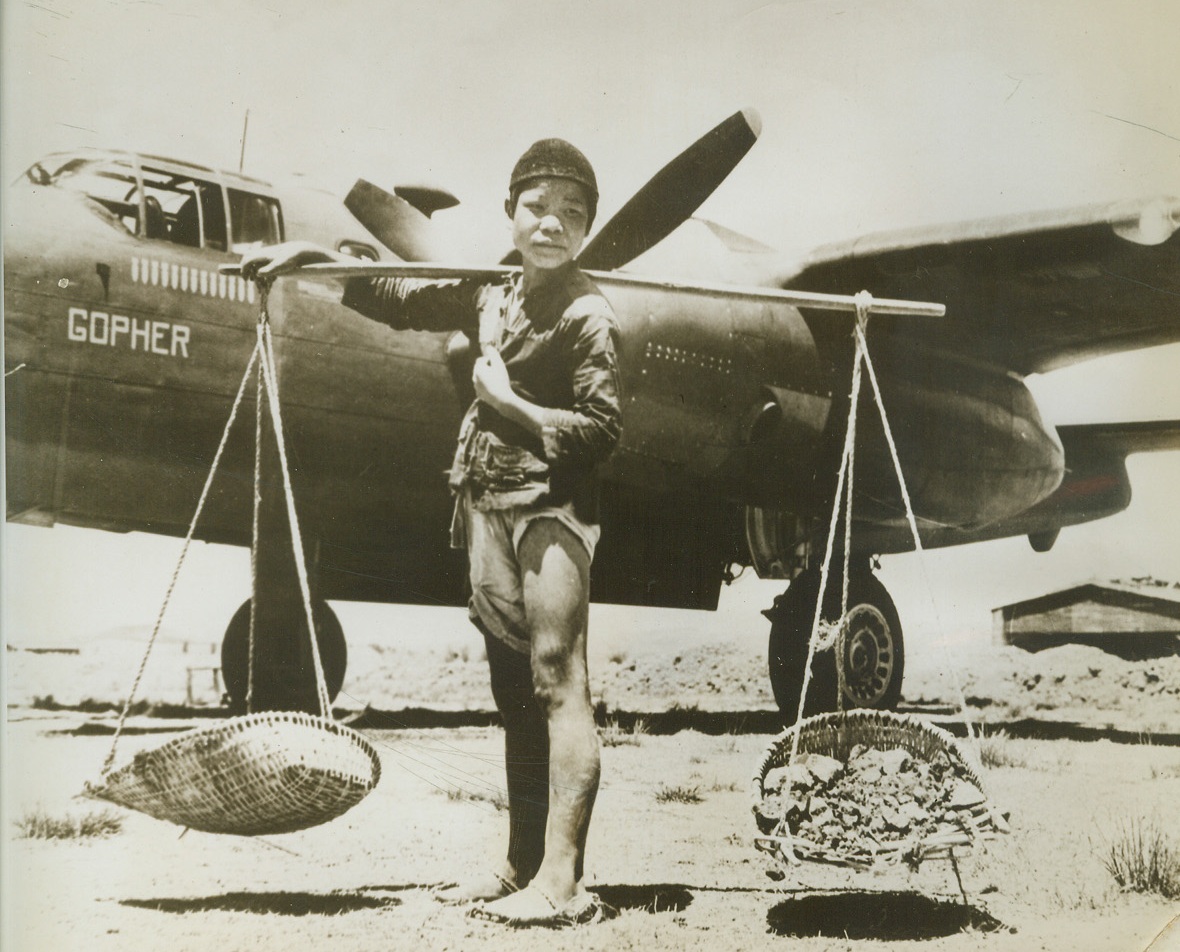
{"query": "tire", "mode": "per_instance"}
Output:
(235, 663)
(874, 653)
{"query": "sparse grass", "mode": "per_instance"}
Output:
(618, 657)
(682, 717)
(1075, 899)
(688, 709)
(37, 824)
(498, 799)
(457, 654)
(1017, 711)
(995, 750)
(1002, 750)
(1056, 760)
(1165, 772)
(678, 794)
(614, 734)
(1144, 858)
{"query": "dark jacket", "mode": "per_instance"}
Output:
(559, 344)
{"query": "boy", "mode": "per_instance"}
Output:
(547, 412)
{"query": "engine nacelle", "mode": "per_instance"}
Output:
(722, 389)
(977, 458)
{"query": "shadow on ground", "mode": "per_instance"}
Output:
(893, 916)
(679, 719)
(664, 897)
(672, 721)
(269, 903)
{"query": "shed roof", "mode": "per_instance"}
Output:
(1142, 593)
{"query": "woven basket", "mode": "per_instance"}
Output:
(273, 772)
(835, 735)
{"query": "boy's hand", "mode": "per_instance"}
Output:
(490, 377)
(494, 388)
(273, 260)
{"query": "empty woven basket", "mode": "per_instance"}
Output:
(835, 735)
(272, 772)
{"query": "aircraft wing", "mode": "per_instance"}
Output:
(1028, 292)
(1120, 439)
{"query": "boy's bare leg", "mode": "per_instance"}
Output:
(555, 570)
(526, 759)
(526, 768)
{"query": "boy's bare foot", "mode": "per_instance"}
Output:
(486, 888)
(533, 907)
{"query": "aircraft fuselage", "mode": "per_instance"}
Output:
(124, 355)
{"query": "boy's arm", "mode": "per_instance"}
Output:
(399, 302)
(417, 303)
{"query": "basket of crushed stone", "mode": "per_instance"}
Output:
(868, 789)
(265, 773)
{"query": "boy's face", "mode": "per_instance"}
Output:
(549, 222)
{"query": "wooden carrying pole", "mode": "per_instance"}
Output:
(807, 299)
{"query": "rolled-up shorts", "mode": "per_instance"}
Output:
(492, 539)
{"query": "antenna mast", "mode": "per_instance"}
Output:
(242, 157)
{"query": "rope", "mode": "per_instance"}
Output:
(272, 389)
(960, 697)
(815, 642)
(263, 355)
(864, 302)
(192, 528)
(256, 510)
(844, 492)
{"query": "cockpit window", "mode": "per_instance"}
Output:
(192, 210)
(110, 182)
(163, 205)
(255, 220)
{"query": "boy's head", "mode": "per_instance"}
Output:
(554, 158)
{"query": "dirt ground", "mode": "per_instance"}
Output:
(674, 875)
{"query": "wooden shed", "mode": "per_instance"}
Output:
(1133, 618)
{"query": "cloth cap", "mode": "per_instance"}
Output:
(555, 158)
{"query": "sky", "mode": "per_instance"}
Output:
(876, 115)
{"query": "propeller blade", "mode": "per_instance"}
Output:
(672, 194)
(397, 224)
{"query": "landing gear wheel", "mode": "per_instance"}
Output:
(284, 695)
(874, 655)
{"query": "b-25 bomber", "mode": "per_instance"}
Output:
(126, 340)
